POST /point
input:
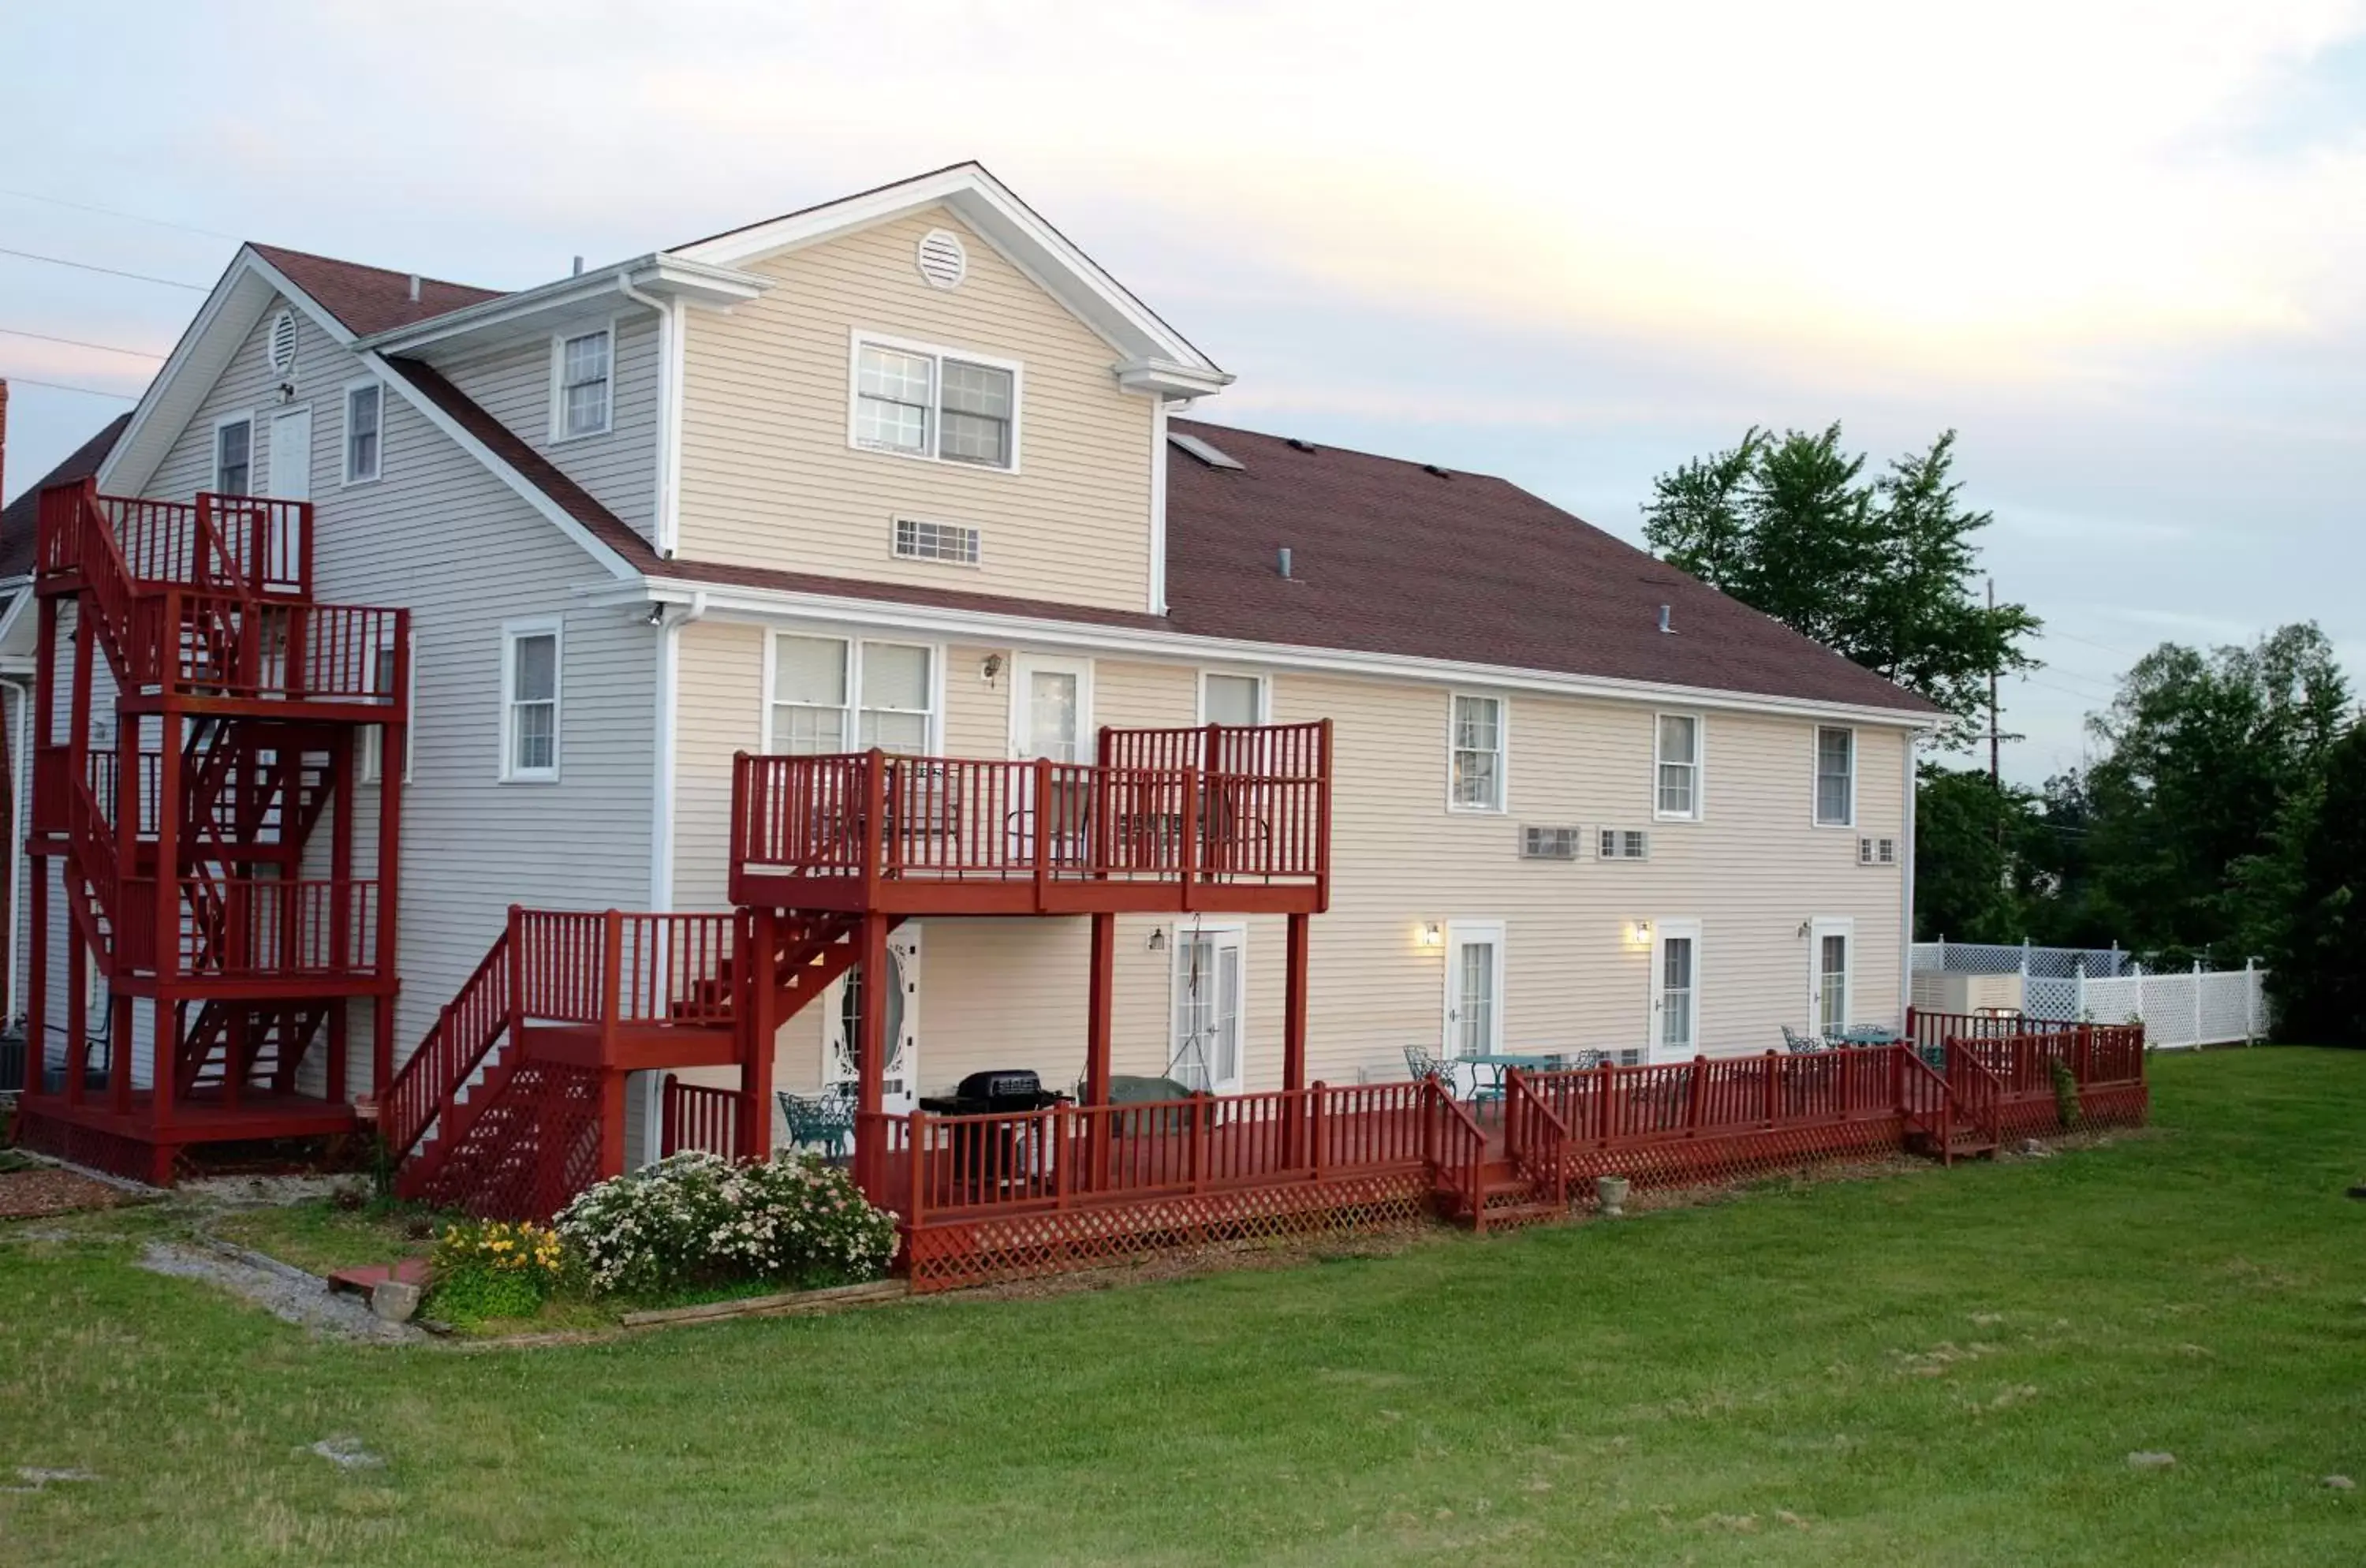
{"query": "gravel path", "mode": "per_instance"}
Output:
(288, 1293)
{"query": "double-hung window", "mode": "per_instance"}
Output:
(234, 456)
(364, 409)
(529, 671)
(830, 695)
(1677, 792)
(580, 400)
(1835, 778)
(928, 404)
(1477, 767)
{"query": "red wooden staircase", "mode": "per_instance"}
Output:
(199, 807)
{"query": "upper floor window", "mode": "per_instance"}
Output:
(926, 402)
(582, 401)
(830, 695)
(363, 408)
(1478, 755)
(1679, 766)
(1835, 778)
(1232, 699)
(530, 663)
(234, 456)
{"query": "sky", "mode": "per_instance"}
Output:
(2120, 248)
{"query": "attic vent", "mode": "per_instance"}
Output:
(941, 259)
(1298, 446)
(279, 347)
(1623, 843)
(1548, 843)
(1204, 451)
(1435, 471)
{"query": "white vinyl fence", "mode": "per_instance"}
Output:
(2178, 1010)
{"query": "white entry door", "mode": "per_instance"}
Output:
(1051, 708)
(1675, 989)
(290, 474)
(1474, 988)
(1206, 1051)
(1832, 956)
(843, 1013)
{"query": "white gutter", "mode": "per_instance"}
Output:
(664, 521)
(773, 605)
(1158, 506)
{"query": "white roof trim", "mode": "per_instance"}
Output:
(1008, 224)
(727, 601)
(672, 277)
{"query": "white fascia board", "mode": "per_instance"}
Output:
(16, 626)
(689, 282)
(1168, 379)
(159, 418)
(1003, 220)
(722, 601)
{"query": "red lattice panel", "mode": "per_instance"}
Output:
(1678, 1162)
(92, 1147)
(977, 1252)
(532, 1149)
(2115, 1105)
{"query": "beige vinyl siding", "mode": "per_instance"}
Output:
(1012, 992)
(619, 468)
(770, 480)
(441, 536)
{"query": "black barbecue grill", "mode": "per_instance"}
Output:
(1001, 1091)
(990, 1156)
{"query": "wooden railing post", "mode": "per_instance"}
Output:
(874, 823)
(611, 982)
(1039, 786)
(1315, 1129)
(517, 971)
(1192, 828)
(916, 1135)
(1060, 1174)
(1198, 1147)
(668, 1117)
(1700, 1097)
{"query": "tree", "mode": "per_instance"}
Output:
(1970, 855)
(2318, 965)
(1880, 572)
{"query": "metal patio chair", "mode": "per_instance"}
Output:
(820, 1121)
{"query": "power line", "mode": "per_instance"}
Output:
(81, 343)
(116, 212)
(69, 387)
(110, 271)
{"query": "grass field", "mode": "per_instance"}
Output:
(1943, 1367)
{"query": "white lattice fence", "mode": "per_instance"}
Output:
(2038, 963)
(2194, 1007)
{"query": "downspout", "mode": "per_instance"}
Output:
(21, 792)
(665, 518)
(1158, 506)
(665, 735)
(1906, 893)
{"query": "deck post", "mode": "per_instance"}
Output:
(386, 930)
(1314, 1126)
(1100, 1006)
(1773, 1080)
(77, 1005)
(612, 1132)
(1700, 1097)
(760, 989)
(871, 1056)
(1293, 1026)
(164, 1068)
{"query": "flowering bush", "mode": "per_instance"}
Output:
(695, 1219)
(493, 1271)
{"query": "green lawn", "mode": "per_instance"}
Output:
(1942, 1367)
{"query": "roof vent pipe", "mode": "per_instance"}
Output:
(579, 268)
(1667, 619)
(414, 289)
(1285, 561)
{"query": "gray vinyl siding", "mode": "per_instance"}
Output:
(513, 384)
(440, 535)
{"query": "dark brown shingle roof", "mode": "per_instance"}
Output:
(369, 300)
(17, 522)
(1390, 558)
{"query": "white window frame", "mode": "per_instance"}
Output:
(1178, 935)
(1816, 777)
(1820, 927)
(937, 354)
(252, 451)
(345, 434)
(559, 342)
(851, 711)
(1699, 766)
(1458, 931)
(1662, 928)
(373, 735)
(513, 633)
(1264, 691)
(1503, 802)
(901, 520)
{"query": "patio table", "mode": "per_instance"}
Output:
(1487, 1072)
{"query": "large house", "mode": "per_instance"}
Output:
(1130, 744)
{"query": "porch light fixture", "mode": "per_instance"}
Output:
(1157, 943)
(990, 668)
(1431, 936)
(1640, 933)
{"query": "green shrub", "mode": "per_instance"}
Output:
(493, 1271)
(695, 1219)
(2065, 1093)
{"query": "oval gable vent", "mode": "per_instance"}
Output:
(942, 260)
(279, 347)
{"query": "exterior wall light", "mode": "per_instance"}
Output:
(1640, 933)
(1431, 936)
(1157, 939)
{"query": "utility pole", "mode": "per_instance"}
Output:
(1996, 749)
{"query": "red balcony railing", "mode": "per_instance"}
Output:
(235, 543)
(609, 968)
